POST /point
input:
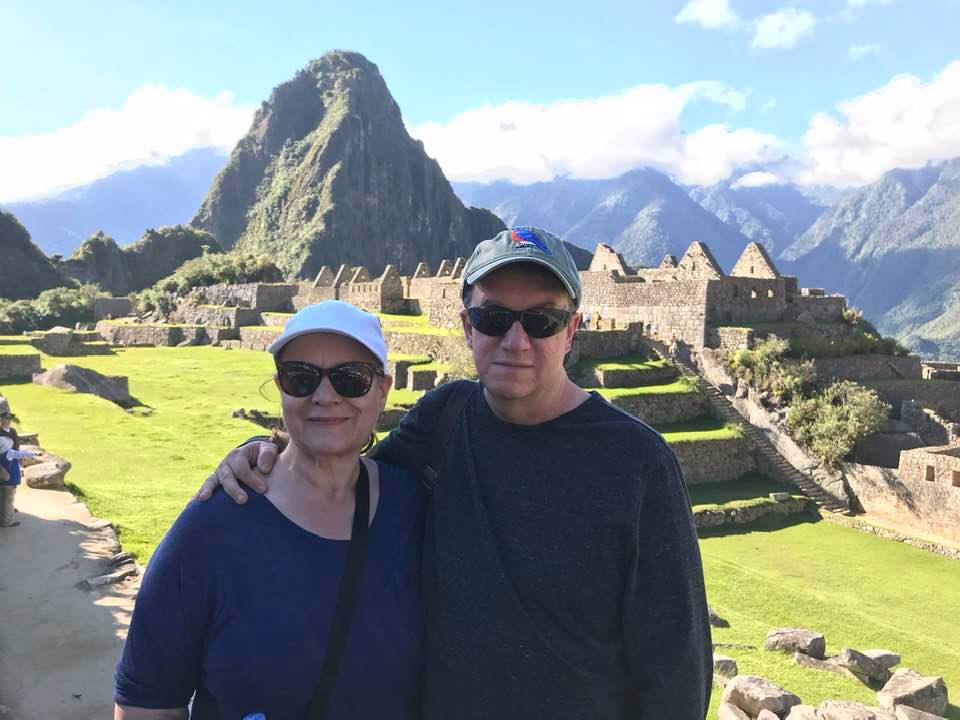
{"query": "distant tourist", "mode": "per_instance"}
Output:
(587, 319)
(10, 472)
(308, 597)
(562, 574)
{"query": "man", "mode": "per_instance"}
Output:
(562, 573)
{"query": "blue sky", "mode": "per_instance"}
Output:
(65, 61)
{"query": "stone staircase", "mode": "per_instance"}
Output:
(783, 472)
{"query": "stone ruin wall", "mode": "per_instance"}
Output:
(667, 308)
(104, 308)
(867, 367)
(19, 367)
(262, 297)
(906, 497)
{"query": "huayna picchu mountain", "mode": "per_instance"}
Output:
(25, 271)
(328, 174)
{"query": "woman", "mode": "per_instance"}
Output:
(245, 625)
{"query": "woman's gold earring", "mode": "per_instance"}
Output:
(370, 443)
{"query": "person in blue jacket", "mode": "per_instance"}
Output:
(10, 457)
(239, 603)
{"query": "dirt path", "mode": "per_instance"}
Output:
(59, 642)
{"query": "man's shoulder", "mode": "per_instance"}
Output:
(607, 417)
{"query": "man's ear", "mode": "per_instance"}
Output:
(467, 327)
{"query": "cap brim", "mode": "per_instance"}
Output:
(277, 345)
(484, 270)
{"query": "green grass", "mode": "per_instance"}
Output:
(436, 366)
(859, 590)
(699, 429)
(395, 319)
(14, 340)
(423, 330)
(679, 386)
(409, 357)
(750, 489)
(628, 363)
(18, 350)
(403, 398)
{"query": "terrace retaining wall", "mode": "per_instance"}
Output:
(708, 461)
(867, 367)
(664, 408)
(19, 367)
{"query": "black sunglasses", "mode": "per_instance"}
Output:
(349, 380)
(537, 323)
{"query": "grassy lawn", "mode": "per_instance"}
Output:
(14, 340)
(18, 350)
(679, 386)
(699, 429)
(409, 357)
(627, 363)
(750, 489)
(859, 590)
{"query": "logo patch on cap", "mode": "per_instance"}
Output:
(522, 237)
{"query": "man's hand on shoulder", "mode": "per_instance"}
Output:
(250, 464)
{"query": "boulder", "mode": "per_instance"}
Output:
(807, 642)
(724, 668)
(887, 658)
(716, 620)
(802, 712)
(828, 665)
(726, 711)
(767, 715)
(908, 713)
(861, 664)
(84, 380)
(46, 476)
(912, 689)
(753, 694)
(847, 710)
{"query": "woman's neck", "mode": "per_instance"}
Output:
(334, 477)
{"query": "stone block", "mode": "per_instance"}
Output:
(753, 694)
(422, 379)
(860, 664)
(800, 640)
(728, 711)
(847, 710)
(724, 668)
(908, 713)
(910, 688)
(46, 475)
(802, 712)
(887, 658)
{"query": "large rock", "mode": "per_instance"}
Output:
(715, 619)
(827, 665)
(79, 379)
(753, 694)
(767, 715)
(861, 664)
(908, 713)
(48, 475)
(791, 640)
(910, 688)
(887, 658)
(724, 668)
(846, 710)
(727, 711)
(802, 712)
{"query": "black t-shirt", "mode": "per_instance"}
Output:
(563, 576)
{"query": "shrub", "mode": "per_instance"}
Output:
(831, 422)
(764, 369)
(57, 306)
(209, 269)
(862, 340)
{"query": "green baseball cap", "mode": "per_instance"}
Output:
(524, 244)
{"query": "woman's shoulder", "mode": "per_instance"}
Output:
(397, 482)
(215, 520)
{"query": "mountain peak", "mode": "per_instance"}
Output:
(328, 174)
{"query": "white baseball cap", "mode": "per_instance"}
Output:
(335, 316)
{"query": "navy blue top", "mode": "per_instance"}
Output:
(237, 602)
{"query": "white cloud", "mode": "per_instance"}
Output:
(858, 52)
(757, 179)
(596, 137)
(861, 3)
(782, 29)
(711, 14)
(154, 124)
(905, 123)
(768, 105)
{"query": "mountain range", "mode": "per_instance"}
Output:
(328, 174)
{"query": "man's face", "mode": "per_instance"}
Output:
(5, 423)
(516, 366)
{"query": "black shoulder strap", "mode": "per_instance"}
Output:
(346, 597)
(448, 420)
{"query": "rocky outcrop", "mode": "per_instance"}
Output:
(25, 271)
(847, 710)
(328, 174)
(84, 380)
(752, 694)
(44, 471)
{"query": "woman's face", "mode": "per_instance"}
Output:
(325, 423)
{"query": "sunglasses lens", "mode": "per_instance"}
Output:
(351, 381)
(491, 320)
(539, 324)
(299, 382)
